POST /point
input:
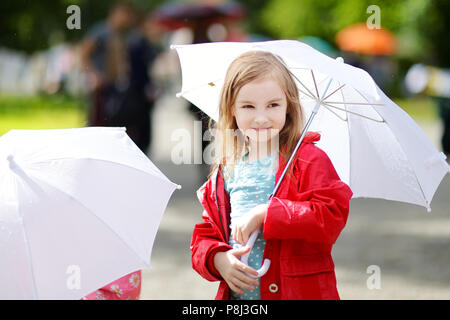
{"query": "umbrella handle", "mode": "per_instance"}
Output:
(244, 258)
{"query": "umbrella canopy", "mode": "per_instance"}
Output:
(79, 208)
(376, 148)
(358, 38)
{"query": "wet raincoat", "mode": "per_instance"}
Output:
(302, 223)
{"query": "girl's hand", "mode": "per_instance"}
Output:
(249, 223)
(233, 271)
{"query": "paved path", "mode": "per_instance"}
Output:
(409, 245)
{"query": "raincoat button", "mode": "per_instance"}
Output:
(273, 288)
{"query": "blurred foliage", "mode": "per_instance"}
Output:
(420, 25)
(30, 25)
(253, 22)
(434, 24)
(40, 112)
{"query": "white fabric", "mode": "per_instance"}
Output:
(85, 197)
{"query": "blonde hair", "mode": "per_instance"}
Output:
(244, 69)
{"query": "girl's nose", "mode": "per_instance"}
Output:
(261, 118)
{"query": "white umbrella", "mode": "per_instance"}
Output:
(79, 208)
(376, 148)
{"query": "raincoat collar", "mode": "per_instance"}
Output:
(310, 137)
(218, 195)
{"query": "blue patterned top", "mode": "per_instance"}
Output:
(250, 185)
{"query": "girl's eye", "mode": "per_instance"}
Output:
(273, 105)
(247, 106)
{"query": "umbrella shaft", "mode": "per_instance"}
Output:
(308, 124)
(305, 130)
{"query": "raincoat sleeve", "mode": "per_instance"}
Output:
(207, 240)
(319, 209)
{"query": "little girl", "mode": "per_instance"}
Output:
(298, 226)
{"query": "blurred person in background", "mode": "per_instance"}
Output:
(435, 83)
(207, 21)
(136, 109)
(105, 61)
(444, 112)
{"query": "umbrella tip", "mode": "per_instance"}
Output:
(427, 205)
(178, 186)
(340, 59)
(11, 161)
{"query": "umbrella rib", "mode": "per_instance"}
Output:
(334, 92)
(311, 95)
(315, 84)
(374, 109)
(354, 113)
(349, 139)
(306, 94)
(333, 112)
(368, 102)
(28, 250)
(356, 103)
(23, 175)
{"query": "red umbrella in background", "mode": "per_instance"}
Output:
(359, 38)
(175, 15)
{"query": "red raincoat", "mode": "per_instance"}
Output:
(302, 223)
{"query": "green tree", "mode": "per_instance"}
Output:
(29, 25)
(324, 19)
(434, 24)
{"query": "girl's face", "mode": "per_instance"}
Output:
(260, 109)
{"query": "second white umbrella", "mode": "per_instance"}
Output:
(79, 208)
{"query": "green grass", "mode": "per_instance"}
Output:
(419, 108)
(40, 112)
